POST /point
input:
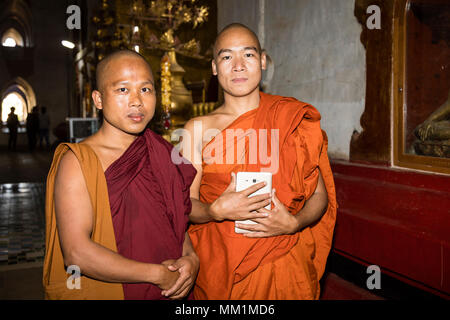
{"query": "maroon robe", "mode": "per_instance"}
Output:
(150, 204)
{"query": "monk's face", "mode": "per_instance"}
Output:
(127, 94)
(238, 62)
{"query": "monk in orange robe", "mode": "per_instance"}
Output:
(116, 205)
(283, 255)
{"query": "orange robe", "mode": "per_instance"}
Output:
(54, 274)
(233, 266)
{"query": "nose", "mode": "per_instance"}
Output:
(239, 64)
(135, 99)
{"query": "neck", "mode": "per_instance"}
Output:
(114, 138)
(241, 105)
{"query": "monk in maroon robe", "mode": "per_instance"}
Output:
(150, 204)
(116, 205)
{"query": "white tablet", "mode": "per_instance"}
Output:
(247, 179)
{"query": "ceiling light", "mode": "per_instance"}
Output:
(68, 44)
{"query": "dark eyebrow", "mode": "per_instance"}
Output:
(126, 81)
(229, 50)
(222, 51)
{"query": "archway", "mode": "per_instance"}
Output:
(16, 101)
(15, 23)
(19, 92)
(12, 38)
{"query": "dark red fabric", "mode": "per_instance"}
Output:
(150, 204)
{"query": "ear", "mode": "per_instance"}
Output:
(263, 60)
(214, 67)
(97, 97)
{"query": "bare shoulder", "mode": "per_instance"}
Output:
(211, 120)
(204, 121)
(69, 169)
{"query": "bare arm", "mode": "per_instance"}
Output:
(74, 219)
(314, 207)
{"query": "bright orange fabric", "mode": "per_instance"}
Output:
(54, 274)
(283, 267)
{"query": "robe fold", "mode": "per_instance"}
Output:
(150, 206)
(282, 267)
(140, 205)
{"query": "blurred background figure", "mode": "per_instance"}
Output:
(13, 123)
(44, 125)
(33, 128)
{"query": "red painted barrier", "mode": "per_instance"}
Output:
(396, 219)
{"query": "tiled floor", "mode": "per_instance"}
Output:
(22, 178)
(22, 223)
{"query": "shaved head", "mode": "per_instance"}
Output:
(235, 25)
(102, 67)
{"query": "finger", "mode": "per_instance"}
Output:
(259, 197)
(257, 235)
(266, 211)
(259, 205)
(186, 285)
(253, 188)
(251, 215)
(175, 287)
(232, 185)
(182, 294)
(184, 289)
(275, 199)
(175, 265)
(251, 227)
(262, 221)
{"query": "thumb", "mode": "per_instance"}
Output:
(174, 266)
(232, 185)
(275, 200)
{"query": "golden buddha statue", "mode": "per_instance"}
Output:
(434, 133)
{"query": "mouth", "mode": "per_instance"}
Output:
(136, 117)
(239, 80)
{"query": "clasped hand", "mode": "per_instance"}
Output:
(237, 205)
(181, 273)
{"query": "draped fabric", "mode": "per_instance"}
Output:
(290, 144)
(150, 204)
(140, 205)
(54, 272)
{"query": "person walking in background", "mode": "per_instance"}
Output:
(13, 124)
(33, 127)
(44, 126)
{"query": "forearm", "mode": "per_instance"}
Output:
(188, 249)
(200, 212)
(312, 211)
(103, 264)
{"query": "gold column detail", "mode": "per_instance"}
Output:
(181, 98)
(165, 83)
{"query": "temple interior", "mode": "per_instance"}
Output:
(377, 71)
